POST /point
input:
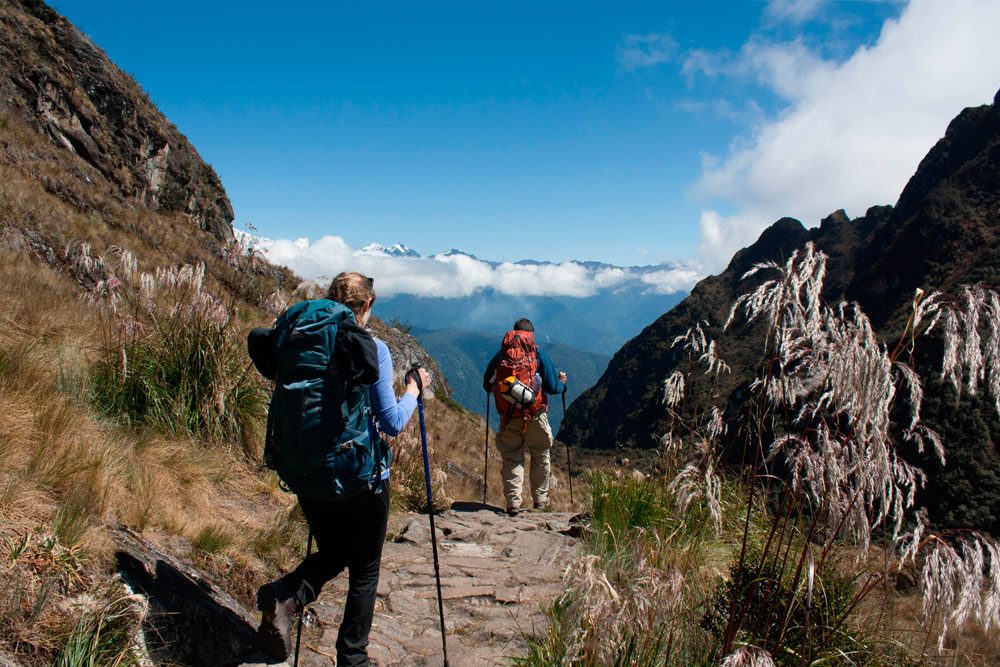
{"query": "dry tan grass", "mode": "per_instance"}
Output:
(893, 615)
(67, 476)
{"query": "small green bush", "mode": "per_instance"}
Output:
(212, 540)
(173, 357)
(102, 637)
(778, 616)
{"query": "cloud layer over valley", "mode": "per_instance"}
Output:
(454, 274)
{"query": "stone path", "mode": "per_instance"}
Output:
(497, 573)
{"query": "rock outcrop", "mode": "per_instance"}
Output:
(191, 620)
(55, 78)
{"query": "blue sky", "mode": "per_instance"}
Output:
(628, 133)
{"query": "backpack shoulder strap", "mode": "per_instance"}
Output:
(355, 354)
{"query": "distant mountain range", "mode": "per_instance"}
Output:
(398, 250)
(586, 305)
(580, 333)
(635, 272)
(463, 356)
(599, 323)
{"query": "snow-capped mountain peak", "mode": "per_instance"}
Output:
(397, 250)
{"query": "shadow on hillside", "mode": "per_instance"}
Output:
(191, 621)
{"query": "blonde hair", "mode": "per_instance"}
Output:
(352, 289)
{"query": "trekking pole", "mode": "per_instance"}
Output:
(298, 633)
(430, 504)
(486, 450)
(569, 464)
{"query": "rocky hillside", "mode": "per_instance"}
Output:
(56, 80)
(86, 158)
(943, 232)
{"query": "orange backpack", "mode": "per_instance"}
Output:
(517, 388)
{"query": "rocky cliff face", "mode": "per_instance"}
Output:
(406, 350)
(943, 232)
(54, 78)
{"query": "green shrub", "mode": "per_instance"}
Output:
(102, 637)
(173, 357)
(212, 540)
(777, 615)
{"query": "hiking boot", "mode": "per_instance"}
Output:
(278, 609)
(543, 505)
(513, 511)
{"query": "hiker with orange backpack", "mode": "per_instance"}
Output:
(520, 376)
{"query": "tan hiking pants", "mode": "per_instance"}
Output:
(512, 443)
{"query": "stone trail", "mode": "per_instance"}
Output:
(497, 574)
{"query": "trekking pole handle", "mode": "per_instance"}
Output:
(414, 373)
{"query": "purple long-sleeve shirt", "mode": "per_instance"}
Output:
(392, 414)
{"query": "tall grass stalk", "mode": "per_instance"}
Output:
(172, 354)
(830, 414)
(104, 637)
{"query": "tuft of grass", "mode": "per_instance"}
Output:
(75, 516)
(212, 540)
(621, 504)
(172, 355)
(280, 541)
(104, 636)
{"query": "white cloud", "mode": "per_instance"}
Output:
(790, 69)
(611, 277)
(792, 11)
(853, 132)
(673, 280)
(460, 275)
(748, 112)
(638, 51)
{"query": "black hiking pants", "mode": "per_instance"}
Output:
(348, 533)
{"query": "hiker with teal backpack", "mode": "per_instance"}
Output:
(333, 381)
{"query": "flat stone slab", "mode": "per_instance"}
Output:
(497, 574)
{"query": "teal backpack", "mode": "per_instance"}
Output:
(321, 436)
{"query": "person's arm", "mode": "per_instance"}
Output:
(550, 379)
(490, 370)
(392, 414)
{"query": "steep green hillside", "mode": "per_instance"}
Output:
(942, 233)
